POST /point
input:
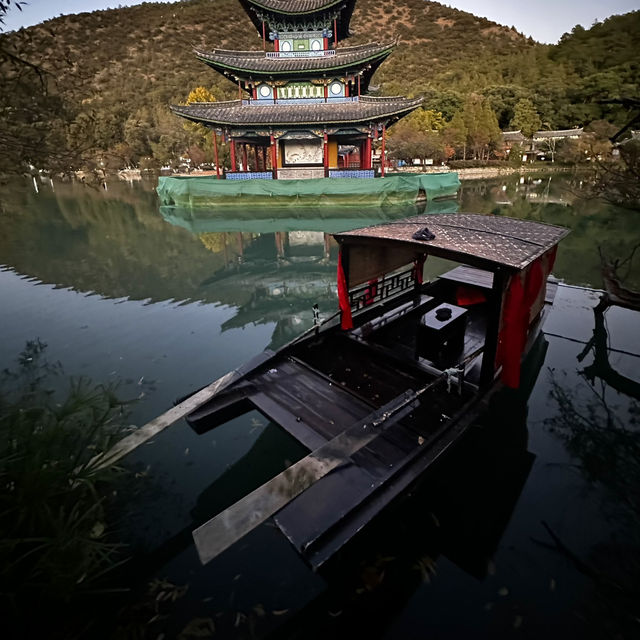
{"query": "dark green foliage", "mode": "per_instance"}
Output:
(525, 118)
(57, 541)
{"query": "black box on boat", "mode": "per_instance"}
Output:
(441, 333)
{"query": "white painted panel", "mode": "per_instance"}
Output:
(303, 152)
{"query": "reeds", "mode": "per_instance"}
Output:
(56, 537)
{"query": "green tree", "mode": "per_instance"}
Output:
(200, 137)
(503, 100)
(483, 132)
(408, 142)
(455, 135)
(425, 120)
(525, 118)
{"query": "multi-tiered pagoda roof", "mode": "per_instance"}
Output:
(303, 99)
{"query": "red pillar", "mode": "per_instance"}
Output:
(358, 85)
(382, 155)
(326, 44)
(215, 151)
(276, 44)
(255, 92)
(232, 148)
(280, 238)
(326, 92)
(346, 89)
(335, 32)
(245, 166)
(274, 158)
(264, 37)
(367, 153)
(326, 156)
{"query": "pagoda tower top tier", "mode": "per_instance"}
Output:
(290, 16)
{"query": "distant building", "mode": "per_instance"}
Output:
(541, 145)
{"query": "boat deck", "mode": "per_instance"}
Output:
(327, 384)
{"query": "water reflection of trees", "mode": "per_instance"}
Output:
(605, 440)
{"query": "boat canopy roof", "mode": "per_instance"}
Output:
(485, 241)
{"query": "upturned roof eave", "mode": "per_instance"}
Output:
(378, 56)
(404, 110)
(251, 7)
(266, 6)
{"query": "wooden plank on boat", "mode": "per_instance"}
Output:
(223, 530)
(318, 548)
(551, 290)
(153, 428)
(299, 429)
(319, 403)
(470, 276)
(484, 280)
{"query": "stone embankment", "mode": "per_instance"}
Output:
(478, 173)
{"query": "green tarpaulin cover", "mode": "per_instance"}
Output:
(207, 191)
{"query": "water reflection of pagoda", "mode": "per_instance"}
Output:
(301, 110)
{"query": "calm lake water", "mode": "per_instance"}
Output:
(165, 301)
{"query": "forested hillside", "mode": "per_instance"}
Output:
(85, 86)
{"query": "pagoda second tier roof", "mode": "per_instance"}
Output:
(256, 62)
(238, 113)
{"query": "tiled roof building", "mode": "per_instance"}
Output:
(301, 109)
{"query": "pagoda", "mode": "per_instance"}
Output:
(302, 109)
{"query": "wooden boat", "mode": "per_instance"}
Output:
(380, 391)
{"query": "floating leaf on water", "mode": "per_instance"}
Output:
(503, 591)
(240, 618)
(97, 530)
(186, 451)
(198, 628)
(552, 585)
(491, 568)
(488, 606)
(517, 622)
(279, 612)
(420, 440)
(258, 609)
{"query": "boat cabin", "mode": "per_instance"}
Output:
(490, 304)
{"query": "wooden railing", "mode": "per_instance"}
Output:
(322, 53)
(387, 286)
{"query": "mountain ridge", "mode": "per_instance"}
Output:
(115, 71)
